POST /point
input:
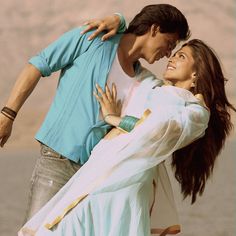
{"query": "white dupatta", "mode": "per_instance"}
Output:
(176, 120)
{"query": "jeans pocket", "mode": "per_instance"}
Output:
(54, 158)
(48, 153)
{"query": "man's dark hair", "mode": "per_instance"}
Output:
(167, 17)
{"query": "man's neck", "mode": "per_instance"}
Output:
(128, 53)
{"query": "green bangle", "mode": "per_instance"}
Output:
(128, 123)
(122, 25)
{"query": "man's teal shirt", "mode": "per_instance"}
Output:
(72, 126)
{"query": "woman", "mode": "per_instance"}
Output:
(124, 188)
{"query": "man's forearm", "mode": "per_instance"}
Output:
(23, 87)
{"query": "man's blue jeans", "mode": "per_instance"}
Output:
(51, 173)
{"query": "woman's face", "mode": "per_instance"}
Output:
(180, 68)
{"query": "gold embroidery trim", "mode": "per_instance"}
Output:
(174, 229)
(144, 116)
(66, 210)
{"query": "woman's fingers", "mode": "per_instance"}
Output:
(96, 33)
(108, 35)
(108, 96)
(114, 92)
(92, 24)
(98, 98)
(103, 95)
(108, 23)
(108, 93)
(119, 106)
(100, 90)
(89, 26)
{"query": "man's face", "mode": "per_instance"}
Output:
(157, 45)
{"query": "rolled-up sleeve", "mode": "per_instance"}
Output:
(41, 64)
(61, 52)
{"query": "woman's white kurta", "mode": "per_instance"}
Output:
(124, 188)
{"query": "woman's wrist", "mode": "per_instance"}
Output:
(126, 123)
(112, 119)
(107, 115)
(122, 23)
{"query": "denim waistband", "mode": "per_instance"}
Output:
(47, 151)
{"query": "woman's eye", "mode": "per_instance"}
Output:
(181, 56)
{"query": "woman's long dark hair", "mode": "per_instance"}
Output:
(194, 163)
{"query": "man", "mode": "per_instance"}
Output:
(73, 125)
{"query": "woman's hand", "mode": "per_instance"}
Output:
(108, 101)
(108, 23)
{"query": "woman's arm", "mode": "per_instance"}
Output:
(112, 24)
(111, 109)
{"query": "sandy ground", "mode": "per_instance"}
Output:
(28, 26)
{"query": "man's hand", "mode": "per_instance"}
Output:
(5, 129)
(108, 23)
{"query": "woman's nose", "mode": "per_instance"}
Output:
(168, 53)
(172, 58)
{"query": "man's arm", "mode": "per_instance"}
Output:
(56, 56)
(23, 87)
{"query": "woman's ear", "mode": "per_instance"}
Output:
(194, 76)
(194, 80)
